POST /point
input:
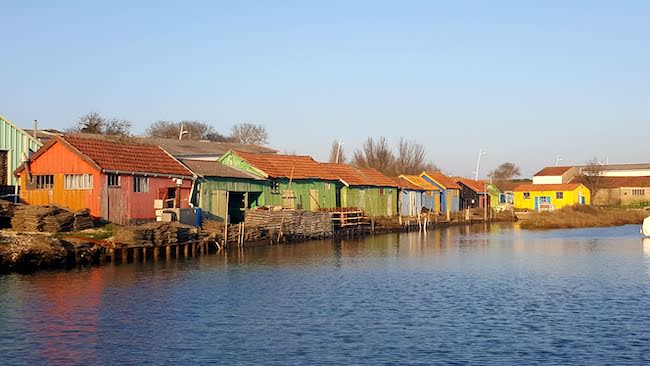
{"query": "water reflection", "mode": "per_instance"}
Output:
(457, 294)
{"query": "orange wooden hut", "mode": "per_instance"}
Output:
(117, 180)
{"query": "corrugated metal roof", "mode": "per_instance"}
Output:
(445, 181)
(189, 148)
(404, 183)
(420, 182)
(547, 187)
(216, 169)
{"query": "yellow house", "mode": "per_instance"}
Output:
(542, 197)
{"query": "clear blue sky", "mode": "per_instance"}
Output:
(527, 82)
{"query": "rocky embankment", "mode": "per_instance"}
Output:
(27, 252)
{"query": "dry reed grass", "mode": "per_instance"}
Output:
(583, 216)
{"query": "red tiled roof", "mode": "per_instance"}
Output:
(477, 186)
(406, 184)
(553, 171)
(547, 187)
(380, 179)
(444, 180)
(126, 156)
(420, 182)
(287, 166)
(349, 174)
(510, 186)
(619, 182)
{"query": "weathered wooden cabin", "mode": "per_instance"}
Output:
(367, 190)
(294, 181)
(431, 198)
(449, 190)
(16, 145)
(224, 192)
(473, 193)
(117, 180)
(411, 198)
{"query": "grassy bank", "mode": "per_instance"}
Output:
(583, 216)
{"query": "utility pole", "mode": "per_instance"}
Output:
(338, 150)
(478, 163)
(182, 132)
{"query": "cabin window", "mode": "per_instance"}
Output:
(113, 180)
(78, 181)
(544, 200)
(381, 192)
(526, 195)
(275, 187)
(140, 184)
(44, 181)
(327, 186)
(638, 192)
(559, 195)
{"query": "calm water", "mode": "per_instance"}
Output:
(459, 295)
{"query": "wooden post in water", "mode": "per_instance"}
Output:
(136, 254)
(186, 249)
(125, 255)
(168, 252)
(156, 253)
(145, 252)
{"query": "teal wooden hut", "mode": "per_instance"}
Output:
(15, 145)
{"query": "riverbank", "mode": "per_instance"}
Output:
(583, 216)
(31, 251)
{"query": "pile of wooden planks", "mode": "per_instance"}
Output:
(51, 219)
(292, 224)
(155, 234)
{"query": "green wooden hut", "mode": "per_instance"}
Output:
(365, 189)
(223, 192)
(15, 144)
(294, 181)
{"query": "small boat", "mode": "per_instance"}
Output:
(645, 229)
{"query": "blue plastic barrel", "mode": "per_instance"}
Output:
(199, 215)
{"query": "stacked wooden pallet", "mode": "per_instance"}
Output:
(82, 220)
(51, 219)
(155, 234)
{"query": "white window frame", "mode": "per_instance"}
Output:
(42, 182)
(73, 182)
(108, 180)
(140, 184)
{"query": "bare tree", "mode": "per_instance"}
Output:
(95, 123)
(592, 177)
(249, 133)
(505, 172)
(337, 155)
(375, 154)
(411, 158)
(192, 130)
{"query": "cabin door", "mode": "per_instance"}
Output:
(389, 204)
(413, 209)
(219, 205)
(313, 200)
